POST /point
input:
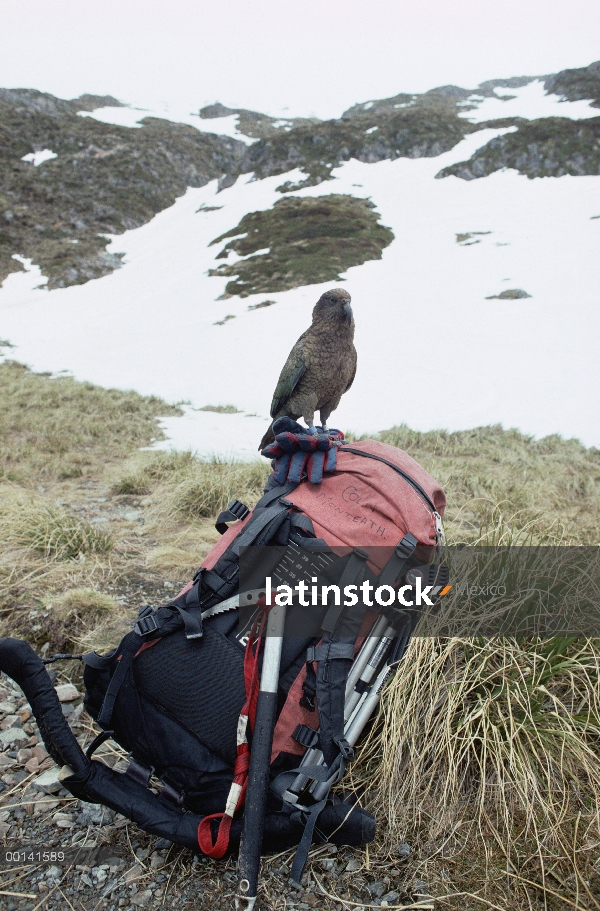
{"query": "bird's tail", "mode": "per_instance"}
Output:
(268, 438)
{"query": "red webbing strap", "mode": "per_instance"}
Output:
(237, 793)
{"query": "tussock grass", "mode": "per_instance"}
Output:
(189, 488)
(76, 615)
(487, 749)
(499, 737)
(29, 522)
(60, 429)
(497, 478)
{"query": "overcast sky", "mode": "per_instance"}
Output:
(292, 57)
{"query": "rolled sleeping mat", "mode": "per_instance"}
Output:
(19, 661)
(339, 823)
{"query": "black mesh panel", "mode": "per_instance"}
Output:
(200, 683)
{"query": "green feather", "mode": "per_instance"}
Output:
(291, 374)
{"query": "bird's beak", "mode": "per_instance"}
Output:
(347, 312)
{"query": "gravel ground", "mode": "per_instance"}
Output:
(58, 852)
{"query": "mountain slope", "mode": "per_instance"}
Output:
(106, 178)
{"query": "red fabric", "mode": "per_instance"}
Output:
(365, 503)
(218, 847)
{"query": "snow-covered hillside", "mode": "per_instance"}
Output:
(436, 347)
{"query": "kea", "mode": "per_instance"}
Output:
(320, 367)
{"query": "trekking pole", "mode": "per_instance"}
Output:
(356, 725)
(260, 762)
(374, 649)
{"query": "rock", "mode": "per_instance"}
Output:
(63, 820)
(7, 708)
(391, 897)
(12, 735)
(4, 829)
(67, 709)
(420, 888)
(49, 781)
(6, 761)
(353, 865)
(84, 878)
(66, 692)
(53, 873)
(403, 850)
(376, 889)
(32, 765)
(511, 294)
(93, 814)
(142, 898)
(39, 752)
(162, 844)
(156, 861)
(133, 874)
(44, 806)
(23, 755)
(10, 721)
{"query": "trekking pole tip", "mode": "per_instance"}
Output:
(244, 902)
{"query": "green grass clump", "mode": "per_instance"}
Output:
(309, 241)
(207, 487)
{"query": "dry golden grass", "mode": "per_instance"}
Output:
(494, 476)
(57, 428)
(30, 523)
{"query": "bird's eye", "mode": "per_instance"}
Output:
(333, 300)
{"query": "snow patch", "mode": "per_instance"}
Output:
(530, 101)
(131, 117)
(38, 158)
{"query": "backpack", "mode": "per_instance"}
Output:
(178, 691)
(173, 690)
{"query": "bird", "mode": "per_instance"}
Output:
(320, 367)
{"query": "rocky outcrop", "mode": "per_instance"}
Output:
(300, 241)
(577, 85)
(551, 147)
(104, 180)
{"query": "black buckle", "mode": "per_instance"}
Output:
(139, 772)
(146, 625)
(406, 546)
(308, 702)
(305, 736)
(239, 509)
(344, 747)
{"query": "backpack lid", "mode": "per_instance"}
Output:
(367, 502)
